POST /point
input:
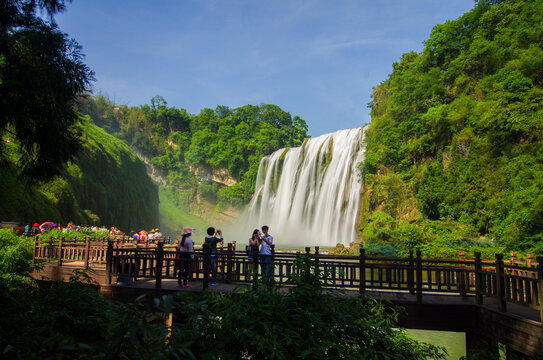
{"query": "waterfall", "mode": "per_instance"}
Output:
(310, 195)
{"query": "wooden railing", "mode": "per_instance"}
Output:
(511, 282)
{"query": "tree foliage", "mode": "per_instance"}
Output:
(223, 139)
(41, 74)
(105, 184)
(460, 126)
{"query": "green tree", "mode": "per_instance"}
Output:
(460, 127)
(41, 74)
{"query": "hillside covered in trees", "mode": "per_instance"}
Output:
(106, 183)
(209, 159)
(455, 146)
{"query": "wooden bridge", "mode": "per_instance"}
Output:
(490, 301)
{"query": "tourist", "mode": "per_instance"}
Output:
(186, 254)
(35, 229)
(152, 236)
(158, 234)
(213, 237)
(252, 250)
(266, 240)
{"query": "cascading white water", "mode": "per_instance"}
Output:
(310, 195)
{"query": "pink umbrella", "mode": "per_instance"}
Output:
(47, 225)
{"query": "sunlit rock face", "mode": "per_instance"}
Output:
(310, 195)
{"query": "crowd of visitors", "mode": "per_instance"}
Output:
(259, 243)
(185, 252)
(144, 236)
(38, 229)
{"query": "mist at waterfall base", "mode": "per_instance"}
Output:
(309, 195)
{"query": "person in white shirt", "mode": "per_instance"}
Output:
(266, 240)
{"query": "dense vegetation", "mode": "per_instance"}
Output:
(105, 184)
(41, 75)
(188, 149)
(71, 320)
(455, 146)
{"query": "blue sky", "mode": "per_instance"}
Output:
(315, 59)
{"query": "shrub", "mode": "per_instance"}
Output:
(15, 258)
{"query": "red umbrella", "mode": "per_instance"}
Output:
(36, 224)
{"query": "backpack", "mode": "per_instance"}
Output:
(248, 250)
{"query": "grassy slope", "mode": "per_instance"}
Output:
(173, 218)
(106, 179)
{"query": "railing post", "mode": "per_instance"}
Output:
(60, 250)
(207, 260)
(307, 250)
(159, 259)
(35, 248)
(540, 286)
(461, 274)
(500, 283)
(362, 262)
(102, 240)
(529, 260)
(109, 261)
(271, 268)
(478, 279)
(87, 251)
(411, 274)
(229, 262)
(50, 249)
(419, 277)
(256, 255)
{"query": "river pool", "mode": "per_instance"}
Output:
(454, 342)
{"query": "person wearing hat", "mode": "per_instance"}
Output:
(185, 247)
(158, 234)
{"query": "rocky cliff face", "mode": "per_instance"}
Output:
(155, 174)
(220, 176)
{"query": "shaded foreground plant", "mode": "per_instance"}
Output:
(305, 321)
(71, 320)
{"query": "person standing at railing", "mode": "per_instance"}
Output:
(266, 240)
(212, 239)
(254, 241)
(185, 247)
